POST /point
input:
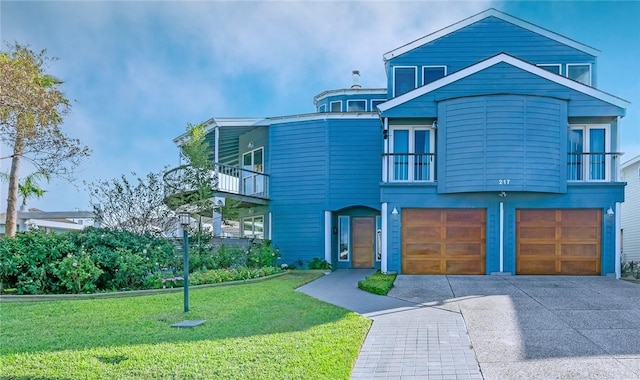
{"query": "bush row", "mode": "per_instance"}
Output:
(97, 259)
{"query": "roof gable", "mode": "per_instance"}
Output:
(458, 75)
(481, 16)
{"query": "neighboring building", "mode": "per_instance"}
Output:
(56, 221)
(630, 211)
(491, 150)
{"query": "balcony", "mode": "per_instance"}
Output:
(593, 167)
(408, 167)
(182, 185)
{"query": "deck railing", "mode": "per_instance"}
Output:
(593, 166)
(408, 167)
(222, 178)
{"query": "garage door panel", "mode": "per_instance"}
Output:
(579, 250)
(537, 250)
(443, 241)
(424, 249)
(564, 241)
(537, 232)
(464, 233)
(462, 267)
(579, 233)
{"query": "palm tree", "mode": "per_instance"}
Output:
(29, 186)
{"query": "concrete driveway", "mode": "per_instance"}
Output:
(540, 327)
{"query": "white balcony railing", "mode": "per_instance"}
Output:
(408, 167)
(593, 167)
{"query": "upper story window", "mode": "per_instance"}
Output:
(588, 159)
(433, 73)
(404, 79)
(412, 154)
(322, 108)
(336, 106)
(555, 68)
(580, 72)
(375, 103)
(356, 105)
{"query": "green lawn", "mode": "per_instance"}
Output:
(264, 330)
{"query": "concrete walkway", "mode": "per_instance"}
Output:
(406, 340)
(493, 327)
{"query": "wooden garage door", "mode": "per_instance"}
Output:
(443, 241)
(558, 241)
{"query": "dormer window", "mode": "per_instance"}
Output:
(336, 106)
(555, 68)
(322, 108)
(432, 73)
(580, 72)
(404, 79)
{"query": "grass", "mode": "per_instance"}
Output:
(378, 283)
(264, 330)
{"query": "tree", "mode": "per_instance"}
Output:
(32, 107)
(29, 187)
(135, 207)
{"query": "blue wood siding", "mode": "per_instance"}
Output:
(502, 143)
(504, 78)
(298, 173)
(355, 163)
(319, 165)
(485, 39)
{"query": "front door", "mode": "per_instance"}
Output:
(363, 241)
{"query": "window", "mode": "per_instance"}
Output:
(433, 73)
(404, 80)
(412, 154)
(343, 238)
(336, 106)
(252, 179)
(555, 68)
(322, 108)
(356, 105)
(378, 238)
(587, 158)
(580, 73)
(253, 227)
(375, 103)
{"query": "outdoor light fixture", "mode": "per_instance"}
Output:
(394, 213)
(250, 145)
(434, 125)
(610, 212)
(185, 221)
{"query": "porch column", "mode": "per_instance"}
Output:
(383, 259)
(327, 236)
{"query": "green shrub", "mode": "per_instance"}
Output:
(378, 283)
(262, 255)
(318, 263)
(216, 276)
(229, 257)
(78, 273)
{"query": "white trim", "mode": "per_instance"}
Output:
(580, 64)
(335, 102)
(357, 100)
(411, 150)
(348, 259)
(489, 62)
(586, 148)
(558, 65)
(415, 78)
(348, 92)
(383, 264)
(433, 67)
(481, 16)
(327, 236)
(501, 237)
(618, 238)
(385, 149)
(630, 162)
(270, 225)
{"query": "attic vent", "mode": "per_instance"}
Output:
(355, 75)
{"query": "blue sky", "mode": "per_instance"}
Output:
(139, 71)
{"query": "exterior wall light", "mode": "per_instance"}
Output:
(610, 212)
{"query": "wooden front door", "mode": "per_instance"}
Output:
(558, 241)
(363, 238)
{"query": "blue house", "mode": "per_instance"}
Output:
(490, 151)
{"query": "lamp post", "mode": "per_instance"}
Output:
(185, 221)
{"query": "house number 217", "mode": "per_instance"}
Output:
(504, 181)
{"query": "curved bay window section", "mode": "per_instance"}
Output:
(412, 157)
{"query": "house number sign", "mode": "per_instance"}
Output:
(504, 181)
